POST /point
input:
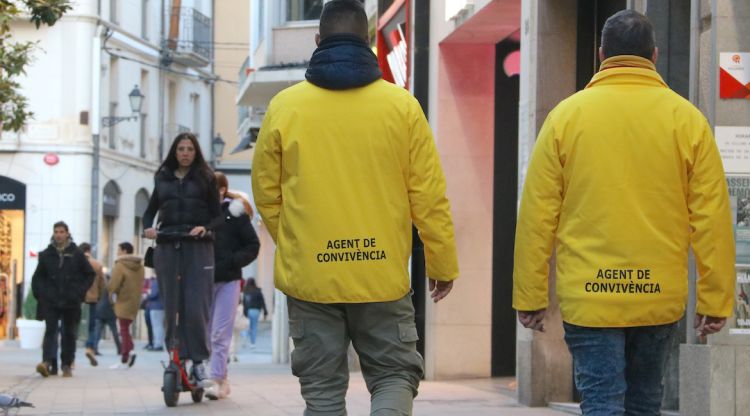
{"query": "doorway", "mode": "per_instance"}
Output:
(505, 196)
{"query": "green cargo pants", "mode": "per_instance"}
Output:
(383, 334)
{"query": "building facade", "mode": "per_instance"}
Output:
(76, 160)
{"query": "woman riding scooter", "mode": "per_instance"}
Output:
(187, 203)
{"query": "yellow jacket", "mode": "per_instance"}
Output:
(338, 178)
(624, 177)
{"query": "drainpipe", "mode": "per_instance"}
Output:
(695, 32)
(162, 81)
(96, 64)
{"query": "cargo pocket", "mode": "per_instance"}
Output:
(300, 359)
(407, 332)
(296, 328)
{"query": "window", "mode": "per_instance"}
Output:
(297, 10)
(143, 134)
(196, 101)
(114, 79)
(112, 130)
(144, 113)
(113, 11)
(144, 19)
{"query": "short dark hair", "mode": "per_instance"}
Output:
(61, 224)
(85, 247)
(628, 32)
(126, 247)
(343, 16)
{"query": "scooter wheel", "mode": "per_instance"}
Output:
(171, 394)
(197, 395)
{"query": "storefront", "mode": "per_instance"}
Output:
(12, 231)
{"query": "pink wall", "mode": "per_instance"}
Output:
(465, 138)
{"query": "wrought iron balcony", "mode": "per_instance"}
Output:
(189, 37)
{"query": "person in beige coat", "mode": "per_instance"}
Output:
(125, 292)
(92, 298)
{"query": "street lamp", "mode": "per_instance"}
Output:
(136, 102)
(217, 148)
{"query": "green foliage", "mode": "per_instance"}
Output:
(14, 56)
(29, 306)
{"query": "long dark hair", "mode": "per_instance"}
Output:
(199, 163)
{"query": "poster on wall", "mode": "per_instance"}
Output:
(734, 75)
(739, 197)
(734, 146)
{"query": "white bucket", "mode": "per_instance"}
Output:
(31, 333)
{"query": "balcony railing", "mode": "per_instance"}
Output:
(189, 37)
(243, 112)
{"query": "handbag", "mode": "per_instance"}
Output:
(148, 258)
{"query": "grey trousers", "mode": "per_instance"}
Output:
(185, 272)
(383, 334)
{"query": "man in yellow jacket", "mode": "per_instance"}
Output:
(345, 163)
(624, 178)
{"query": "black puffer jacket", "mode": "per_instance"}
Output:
(235, 242)
(61, 281)
(183, 203)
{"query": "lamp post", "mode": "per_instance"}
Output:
(217, 149)
(136, 102)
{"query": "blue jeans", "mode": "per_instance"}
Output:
(90, 341)
(618, 371)
(112, 324)
(253, 315)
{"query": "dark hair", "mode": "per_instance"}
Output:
(221, 180)
(85, 247)
(343, 16)
(126, 247)
(251, 282)
(199, 163)
(61, 224)
(628, 33)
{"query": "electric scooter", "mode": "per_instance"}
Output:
(176, 377)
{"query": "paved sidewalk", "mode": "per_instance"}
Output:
(258, 388)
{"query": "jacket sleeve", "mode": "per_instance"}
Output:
(100, 283)
(249, 244)
(430, 209)
(151, 209)
(38, 280)
(88, 274)
(115, 283)
(214, 205)
(538, 218)
(711, 229)
(266, 174)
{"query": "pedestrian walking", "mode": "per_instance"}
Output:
(253, 304)
(186, 199)
(105, 318)
(235, 246)
(60, 282)
(125, 291)
(624, 178)
(345, 163)
(155, 308)
(92, 298)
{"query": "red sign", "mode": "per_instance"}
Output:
(51, 159)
